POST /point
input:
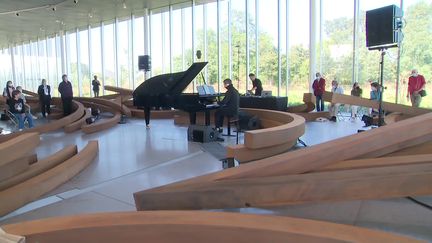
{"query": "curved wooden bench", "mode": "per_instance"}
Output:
(113, 105)
(18, 147)
(40, 167)
(101, 125)
(16, 167)
(53, 125)
(181, 226)
(31, 189)
(281, 131)
(76, 125)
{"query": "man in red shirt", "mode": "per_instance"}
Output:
(416, 83)
(318, 87)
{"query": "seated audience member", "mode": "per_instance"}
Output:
(17, 107)
(229, 106)
(416, 85)
(333, 108)
(7, 91)
(375, 94)
(44, 92)
(27, 106)
(356, 91)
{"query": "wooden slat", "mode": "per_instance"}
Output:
(379, 141)
(16, 167)
(314, 157)
(387, 106)
(244, 155)
(379, 162)
(303, 108)
(357, 184)
(293, 127)
(41, 166)
(121, 91)
(75, 126)
(184, 226)
(424, 148)
(113, 105)
(312, 116)
(18, 147)
(31, 189)
(102, 124)
(162, 114)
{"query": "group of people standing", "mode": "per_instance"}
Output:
(416, 90)
(17, 105)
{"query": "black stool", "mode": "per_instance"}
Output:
(234, 121)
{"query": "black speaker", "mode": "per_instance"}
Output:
(383, 27)
(144, 63)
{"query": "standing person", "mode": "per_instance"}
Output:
(44, 92)
(96, 84)
(356, 91)
(229, 106)
(334, 108)
(65, 89)
(416, 85)
(16, 106)
(318, 87)
(375, 94)
(256, 84)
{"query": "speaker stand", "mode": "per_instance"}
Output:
(381, 88)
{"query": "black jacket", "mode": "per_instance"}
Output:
(231, 101)
(41, 92)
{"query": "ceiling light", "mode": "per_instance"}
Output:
(54, 8)
(124, 5)
(75, 1)
(90, 15)
(17, 14)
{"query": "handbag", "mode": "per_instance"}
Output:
(422, 93)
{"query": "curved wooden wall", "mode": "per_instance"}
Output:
(31, 189)
(40, 167)
(113, 105)
(176, 226)
(76, 125)
(281, 131)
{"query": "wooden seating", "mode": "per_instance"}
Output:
(280, 132)
(40, 167)
(184, 226)
(312, 174)
(109, 103)
(75, 126)
(18, 147)
(18, 195)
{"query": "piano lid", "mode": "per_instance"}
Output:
(171, 83)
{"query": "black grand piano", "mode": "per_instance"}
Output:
(165, 91)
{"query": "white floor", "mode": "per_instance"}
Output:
(132, 158)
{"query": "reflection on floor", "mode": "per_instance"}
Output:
(134, 158)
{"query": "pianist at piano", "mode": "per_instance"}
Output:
(229, 106)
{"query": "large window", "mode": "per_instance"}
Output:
(123, 54)
(109, 55)
(84, 64)
(96, 58)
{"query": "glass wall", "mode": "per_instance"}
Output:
(269, 38)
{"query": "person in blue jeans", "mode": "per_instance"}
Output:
(17, 107)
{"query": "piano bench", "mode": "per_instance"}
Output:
(233, 120)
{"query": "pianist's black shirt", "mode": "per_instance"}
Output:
(231, 101)
(257, 83)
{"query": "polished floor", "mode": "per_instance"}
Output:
(133, 158)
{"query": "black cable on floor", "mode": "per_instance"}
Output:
(420, 203)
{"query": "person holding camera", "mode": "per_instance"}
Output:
(416, 85)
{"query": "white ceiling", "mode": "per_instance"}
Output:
(41, 22)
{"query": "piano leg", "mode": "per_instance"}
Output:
(207, 117)
(192, 118)
(147, 115)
